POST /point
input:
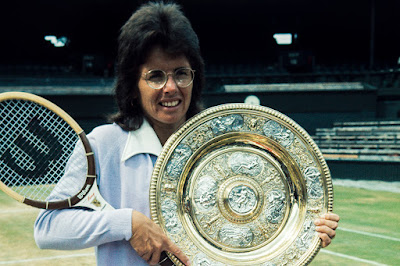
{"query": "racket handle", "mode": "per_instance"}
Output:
(165, 260)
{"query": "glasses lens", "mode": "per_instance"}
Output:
(156, 78)
(183, 77)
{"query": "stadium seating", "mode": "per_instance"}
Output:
(226, 74)
(369, 140)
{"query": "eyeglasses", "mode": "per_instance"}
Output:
(157, 79)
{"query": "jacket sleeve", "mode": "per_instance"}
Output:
(70, 229)
(78, 228)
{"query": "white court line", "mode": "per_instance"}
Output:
(352, 257)
(373, 185)
(47, 258)
(368, 234)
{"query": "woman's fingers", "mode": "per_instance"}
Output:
(326, 230)
(326, 226)
(178, 253)
(330, 220)
(331, 217)
(149, 240)
(155, 258)
(325, 240)
(146, 256)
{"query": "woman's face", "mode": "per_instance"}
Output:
(168, 105)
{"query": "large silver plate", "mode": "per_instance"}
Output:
(241, 185)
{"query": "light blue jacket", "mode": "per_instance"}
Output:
(124, 165)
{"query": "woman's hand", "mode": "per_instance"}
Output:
(326, 226)
(149, 240)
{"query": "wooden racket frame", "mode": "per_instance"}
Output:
(91, 170)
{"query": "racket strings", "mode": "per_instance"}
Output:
(36, 145)
(75, 175)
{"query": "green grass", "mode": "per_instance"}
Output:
(17, 243)
(369, 211)
(362, 210)
(32, 192)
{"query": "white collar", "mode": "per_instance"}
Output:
(142, 140)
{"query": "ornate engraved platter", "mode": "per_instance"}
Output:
(241, 185)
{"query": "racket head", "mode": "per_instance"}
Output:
(37, 139)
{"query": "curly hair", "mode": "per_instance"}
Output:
(154, 23)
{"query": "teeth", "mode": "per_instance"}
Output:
(170, 104)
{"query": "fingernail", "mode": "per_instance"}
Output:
(317, 222)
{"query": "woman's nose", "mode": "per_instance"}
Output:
(170, 85)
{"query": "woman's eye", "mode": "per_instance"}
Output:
(156, 76)
(182, 73)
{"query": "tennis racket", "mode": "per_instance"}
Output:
(38, 140)
(45, 158)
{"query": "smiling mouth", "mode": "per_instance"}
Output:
(170, 104)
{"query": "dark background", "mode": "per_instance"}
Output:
(240, 31)
(350, 43)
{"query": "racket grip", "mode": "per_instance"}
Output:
(165, 260)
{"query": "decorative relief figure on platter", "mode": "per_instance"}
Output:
(225, 124)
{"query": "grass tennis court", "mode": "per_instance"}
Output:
(369, 233)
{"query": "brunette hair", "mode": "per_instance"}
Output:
(154, 23)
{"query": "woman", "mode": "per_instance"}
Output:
(156, 92)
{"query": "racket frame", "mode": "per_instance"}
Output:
(90, 185)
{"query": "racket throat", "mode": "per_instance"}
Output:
(90, 197)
